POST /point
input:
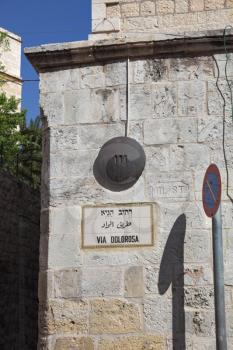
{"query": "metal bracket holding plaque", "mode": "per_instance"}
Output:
(117, 225)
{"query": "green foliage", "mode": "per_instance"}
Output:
(30, 155)
(10, 122)
(20, 145)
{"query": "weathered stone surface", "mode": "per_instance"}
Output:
(102, 282)
(191, 69)
(92, 77)
(179, 342)
(113, 10)
(181, 6)
(214, 4)
(147, 8)
(110, 258)
(228, 278)
(46, 343)
(136, 131)
(165, 6)
(157, 314)
(98, 10)
(115, 73)
(77, 192)
(169, 104)
(64, 219)
(229, 322)
(133, 343)
(67, 284)
(151, 280)
(200, 323)
(59, 81)
(216, 154)
(140, 24)
(198, 275)
(202, 343)
(187, 130)
(201, 297)
(189, 156)
(227, 215)
(140, 102)
(197, 247)
(63, 251)
(64, 138)
(222, 63)
(188, 94)
(130, 9)
(52, 105)
(82, 343)
(109, 25)
(170, 131)
(114, 317)
(91, 106)
(72, 163)
(195, 216)
(196, 5)
(66, 316)
(134, 284)
(175, 186)
(164, 100)
(90, 139)
(158, 158)
(45, 286)
(183, 21)
(179, 16)
(229, 3)
(160, 132)
(215, 101)
(149, 70)
(209, 129)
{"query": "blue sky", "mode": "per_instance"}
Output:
(40, 22)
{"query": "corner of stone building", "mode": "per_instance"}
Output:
(145, 297)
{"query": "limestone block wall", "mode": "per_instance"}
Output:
(158, 297)
(137, 17)
(11, 59)
(19, 264)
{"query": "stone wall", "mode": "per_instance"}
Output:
(158, 297)
(11, 59)
(137, 17)
(19, 264)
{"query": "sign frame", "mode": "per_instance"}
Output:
(216, 198)
(118, 246)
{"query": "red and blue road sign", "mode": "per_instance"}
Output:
(211, 191)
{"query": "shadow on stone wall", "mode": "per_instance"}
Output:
(19, 264)
(172, 273)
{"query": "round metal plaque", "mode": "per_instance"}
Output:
(119, 164)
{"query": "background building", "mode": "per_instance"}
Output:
(124, 18)
(11, 59)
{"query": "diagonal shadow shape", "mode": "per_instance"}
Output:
(172, 273)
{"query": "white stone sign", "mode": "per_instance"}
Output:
(117, 225)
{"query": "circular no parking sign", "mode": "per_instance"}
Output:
(211, 190)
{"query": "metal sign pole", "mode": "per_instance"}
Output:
(220, 318)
